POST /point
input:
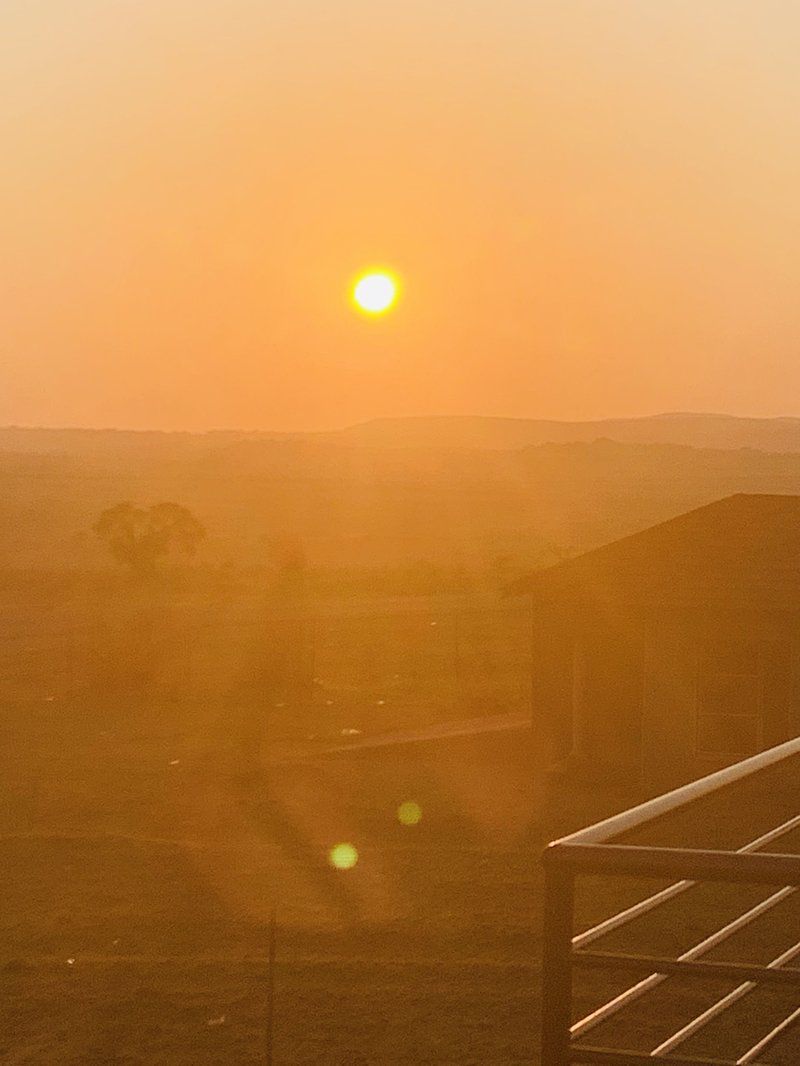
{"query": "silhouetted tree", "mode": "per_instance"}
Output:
(139, 537)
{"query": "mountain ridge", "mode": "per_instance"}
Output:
(484, 432)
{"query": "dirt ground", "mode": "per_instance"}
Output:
(138, 877)
(141, 857)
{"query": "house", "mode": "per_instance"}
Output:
(674, 651)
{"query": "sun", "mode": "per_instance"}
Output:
(375, 292)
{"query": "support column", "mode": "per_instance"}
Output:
(557, 965)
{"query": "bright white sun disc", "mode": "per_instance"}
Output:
(375, 293)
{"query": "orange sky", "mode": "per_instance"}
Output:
(595, 207)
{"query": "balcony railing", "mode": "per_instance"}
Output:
(593, 851)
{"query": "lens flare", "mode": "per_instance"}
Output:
(409, 813)
(343, 856)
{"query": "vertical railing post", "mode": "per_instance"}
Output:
(559, 897)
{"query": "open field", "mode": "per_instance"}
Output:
(158, 880)
(143, 849)
(312, 664)
(140, 840)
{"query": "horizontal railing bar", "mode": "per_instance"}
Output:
(755, 868)
(767, 1041)
(725, 971)
(679, 797)
(651, 902)
(636, 910)
(695, 952)
(637, 1058)
(701, 1020)
(588, 852)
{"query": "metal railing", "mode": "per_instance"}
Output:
(593, 851)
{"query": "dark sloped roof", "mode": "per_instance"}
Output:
(740, 550)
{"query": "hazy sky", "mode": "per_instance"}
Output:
(595, 207)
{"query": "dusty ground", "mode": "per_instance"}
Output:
(135, 894)
(141, 855)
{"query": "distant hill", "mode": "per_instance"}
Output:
(456, 431)
(694, 430)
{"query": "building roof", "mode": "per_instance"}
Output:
(743, 550)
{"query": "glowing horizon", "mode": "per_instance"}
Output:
(594, 211)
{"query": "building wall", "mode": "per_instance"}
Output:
(587, 689)
(669, 703)
(607, 704)
(746, 688)
(660, 697)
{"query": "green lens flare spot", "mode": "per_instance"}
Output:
(343, 856)
(409, 813)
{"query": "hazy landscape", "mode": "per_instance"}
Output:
(399, 469)
(158, 732)
(465, 495)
